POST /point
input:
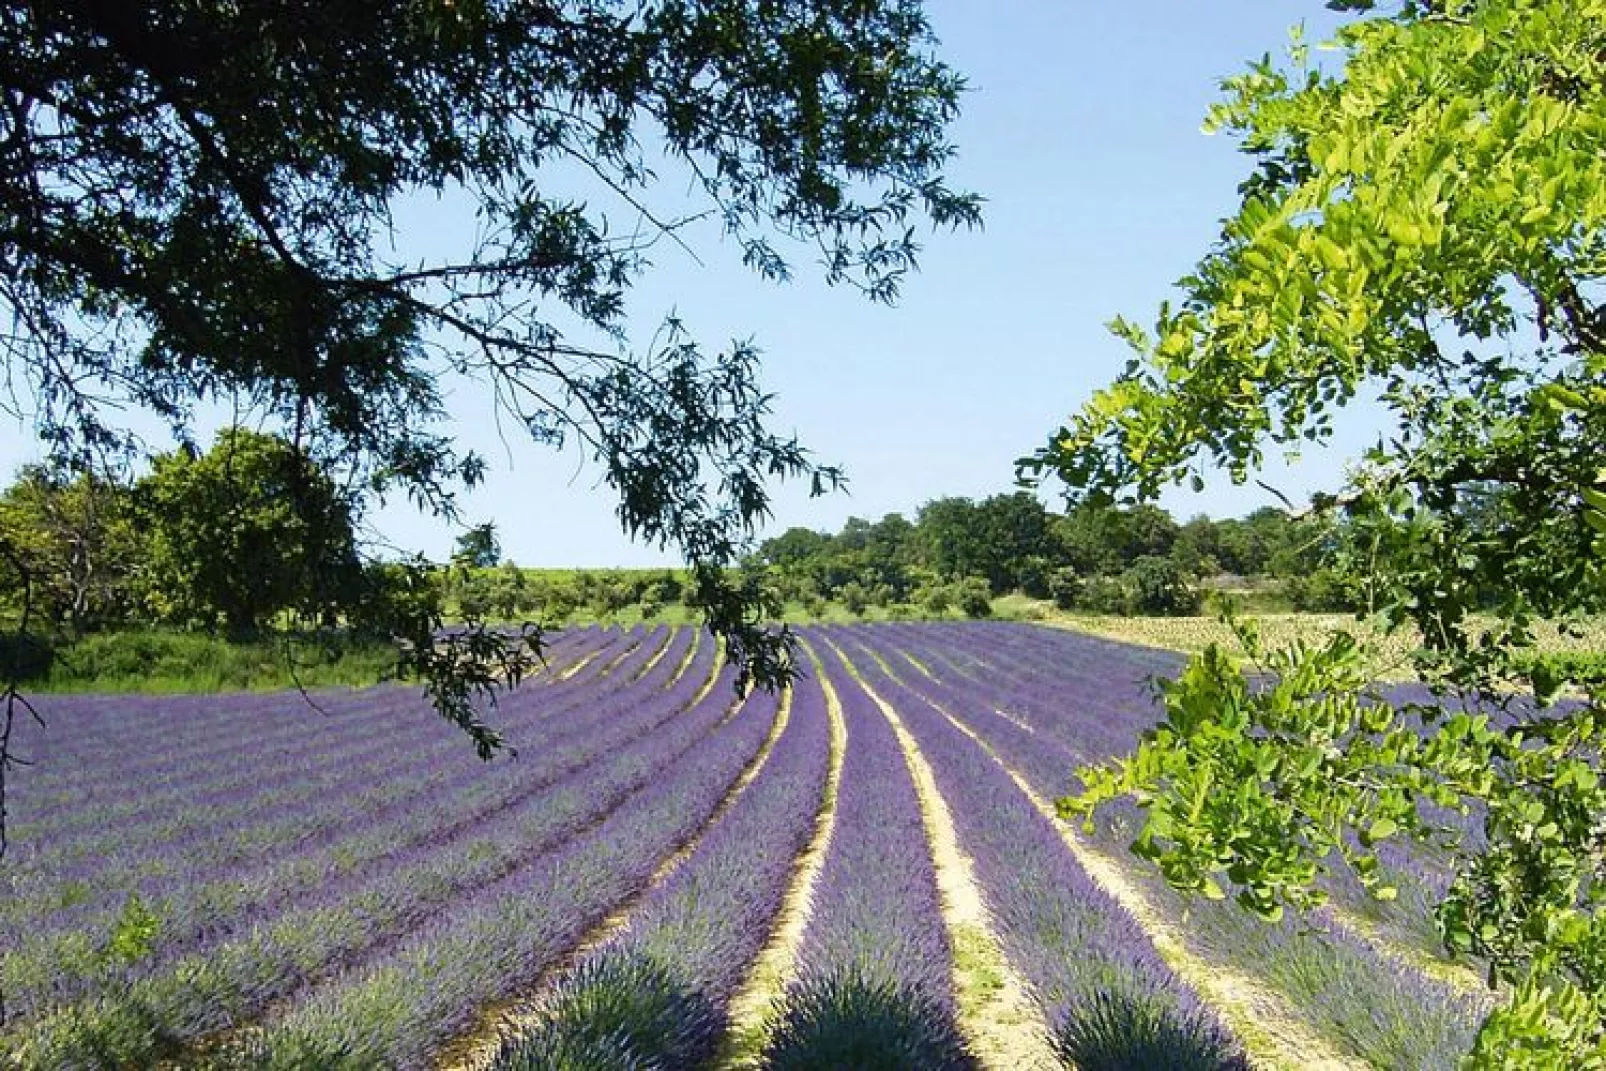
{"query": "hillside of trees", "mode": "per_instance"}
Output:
(958, 553)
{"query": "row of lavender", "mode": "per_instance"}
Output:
(208, 879)
(1105, 993)
(873, 978)
(1046, 702)
(658, 994)
(331, 908)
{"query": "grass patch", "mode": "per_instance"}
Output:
(159, 661)
(1190, 635)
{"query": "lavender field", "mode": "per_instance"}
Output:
(863, 872)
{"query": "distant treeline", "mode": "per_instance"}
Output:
(253, 537)
(1103, 559)
(507, 592)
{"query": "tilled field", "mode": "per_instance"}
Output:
(869, 858)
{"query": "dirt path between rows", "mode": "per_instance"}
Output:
(776, 965)
(996, 1013)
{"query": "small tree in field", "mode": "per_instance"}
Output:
(79, 539)
(244, 532)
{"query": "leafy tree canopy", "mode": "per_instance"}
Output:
(478, 548)
(78, 538)
(196, 206)
(1424, 219)
(246, 531)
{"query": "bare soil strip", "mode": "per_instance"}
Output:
(573, 670)
(1271, 1032)
(663, 652)
(1013, 720)
(776, 965)
(996, 1014)
(713, 674)
(474, 1051)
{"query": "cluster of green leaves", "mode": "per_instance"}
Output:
(1427, 221)
(249, 529)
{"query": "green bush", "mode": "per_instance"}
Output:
(1157, 586)
(1066, 588)
(1103, 595)
(853, 597)
(974, 597)
(1325, 590)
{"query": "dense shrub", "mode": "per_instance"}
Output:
(937, 598)
(847, 1022)
(1325, 590)
(1103, 595)
(974, 597)
(1158, 586)
(853, 597)
(1066, 588)
(1113, 1031)
(1035, 576)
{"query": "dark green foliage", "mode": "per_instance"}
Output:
(250, 529)
(617, 1006)
(973, 597)
(994, 539)
(847, 1022)
(26, 656)
(1096, 538)
(1117, 1031)
(1156, 586)
(1065, 586)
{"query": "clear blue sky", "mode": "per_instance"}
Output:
(1082, 131)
